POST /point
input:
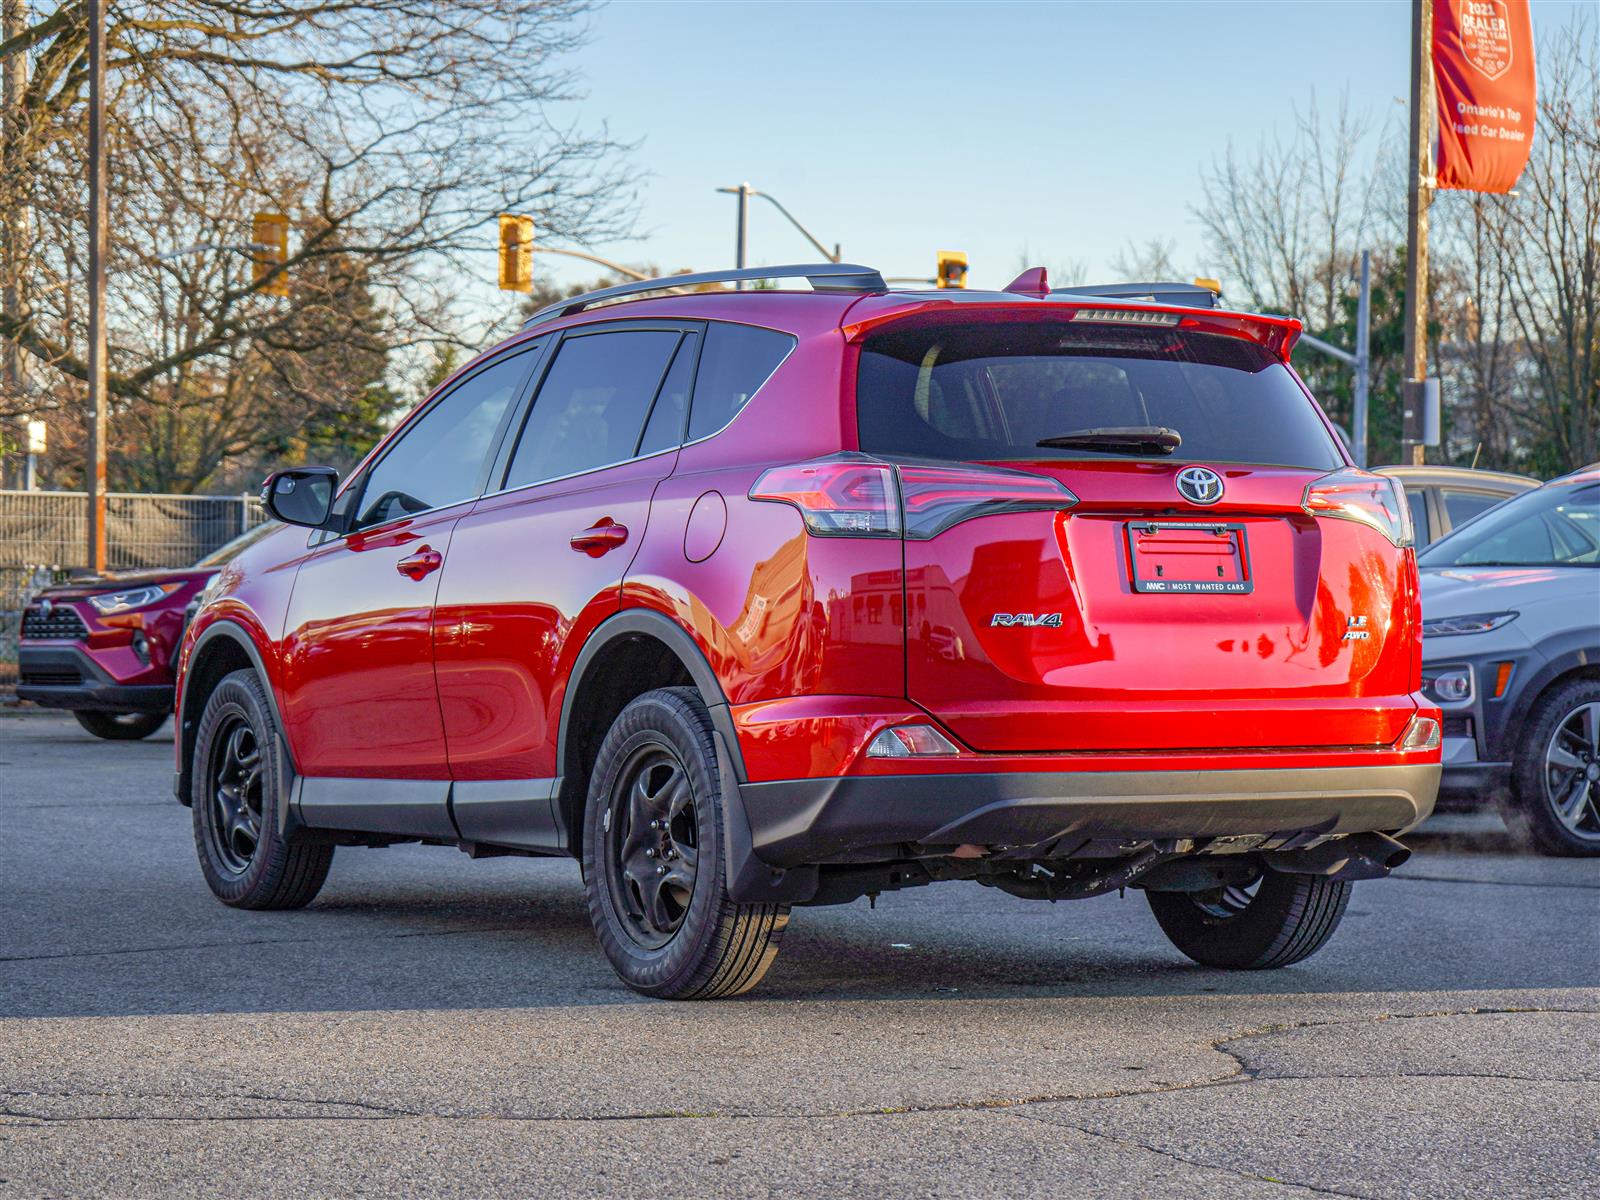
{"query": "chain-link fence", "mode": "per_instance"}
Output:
(43, 535)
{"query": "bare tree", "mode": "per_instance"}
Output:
(391, 133)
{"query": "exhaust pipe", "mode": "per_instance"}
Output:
(1359, 856)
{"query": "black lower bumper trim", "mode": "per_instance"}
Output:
(94, 691)
(827, 820)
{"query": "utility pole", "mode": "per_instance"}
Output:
(742, 236)
(1419, 194)
(14, 224)
(96, 475)
(744, 191)
(1363, 362)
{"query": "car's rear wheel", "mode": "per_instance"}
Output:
(236, 790)
(653, 858)
(1277, 920)
(121, 726)
(1555, 801)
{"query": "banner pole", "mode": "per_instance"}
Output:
(1419, 195)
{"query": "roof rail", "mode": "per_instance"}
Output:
(823, 277)
(1190, 295)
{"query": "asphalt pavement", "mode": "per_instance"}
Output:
(434, 1026)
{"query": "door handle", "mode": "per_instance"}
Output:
(421, 564)
(605, 534)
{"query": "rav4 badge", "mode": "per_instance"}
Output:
(1049, 620)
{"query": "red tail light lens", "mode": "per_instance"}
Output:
(837, 497)
(935, 498)
(850, 497)
(1356, 495)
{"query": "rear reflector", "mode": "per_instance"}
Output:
(846, 496)
(911, 741)
(1356, 495)
(1421, 734)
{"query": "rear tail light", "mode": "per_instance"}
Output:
(847, 496)
(1421, 734)
(1356, 495)
(911, 741)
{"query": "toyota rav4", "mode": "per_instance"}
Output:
(753, 599)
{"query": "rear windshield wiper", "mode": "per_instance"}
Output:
(1126, 439)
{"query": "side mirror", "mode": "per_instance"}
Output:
(301, 495)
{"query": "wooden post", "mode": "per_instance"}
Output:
(95, 481)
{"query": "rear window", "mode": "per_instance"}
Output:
(992, 391)
(736, 361)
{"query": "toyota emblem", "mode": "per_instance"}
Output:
(1200, 485)
(45, 608)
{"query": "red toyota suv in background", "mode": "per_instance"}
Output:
(756, 599)
(106, 648)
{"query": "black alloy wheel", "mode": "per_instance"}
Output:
(237, 790)
(652, 844)
(654, 857)
(1554, 805)
(234, 787)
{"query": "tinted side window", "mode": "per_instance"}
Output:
(665, 429)
(1463, 506)
(592, 404)
(439, 460)
(736, 361)
(1419, 515)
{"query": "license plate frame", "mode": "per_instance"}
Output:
(1237, 550)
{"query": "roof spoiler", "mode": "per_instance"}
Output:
(823, 277)
(1185, 295)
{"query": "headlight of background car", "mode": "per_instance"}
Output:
(1476, 623)
(107, 603)
(1447, 685)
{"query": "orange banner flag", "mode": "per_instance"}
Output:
(1484, 81)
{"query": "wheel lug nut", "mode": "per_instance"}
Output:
(650, 853)
(661, 870)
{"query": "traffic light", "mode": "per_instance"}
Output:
(516, 253)
(952, 272)
(269, 237)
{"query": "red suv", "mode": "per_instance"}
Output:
(755, 599)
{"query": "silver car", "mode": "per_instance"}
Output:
(1511, 653)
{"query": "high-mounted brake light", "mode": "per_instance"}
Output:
(1352, 494)
(1127, 316)
(847, 496)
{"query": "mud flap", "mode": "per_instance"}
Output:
(751, 880)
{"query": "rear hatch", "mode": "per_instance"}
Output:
(1204, 572)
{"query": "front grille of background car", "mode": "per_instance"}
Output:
(63, 622)
(1457, 725)
(66, 678)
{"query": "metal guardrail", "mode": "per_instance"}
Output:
(42, 538)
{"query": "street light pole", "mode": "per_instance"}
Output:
(1363, 363)
(744, 191)
(96, 474)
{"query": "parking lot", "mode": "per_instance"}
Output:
(436, 1026)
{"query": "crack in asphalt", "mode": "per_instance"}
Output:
(1241, 1075)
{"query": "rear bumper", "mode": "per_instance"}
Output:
(66, 676)
(863, 817)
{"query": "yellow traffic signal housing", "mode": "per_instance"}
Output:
(516, 253)
(952, 272)
(269, 235)
(1211, 285)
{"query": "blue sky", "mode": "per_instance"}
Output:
(897, 129)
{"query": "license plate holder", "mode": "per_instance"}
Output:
(1189, 557)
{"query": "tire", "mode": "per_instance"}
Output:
(1287, 919)
(1554, 806)
(657, 889)
(235, 791)
(121, 726)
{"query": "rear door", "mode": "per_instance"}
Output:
(539, 562)
(1188, 599)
